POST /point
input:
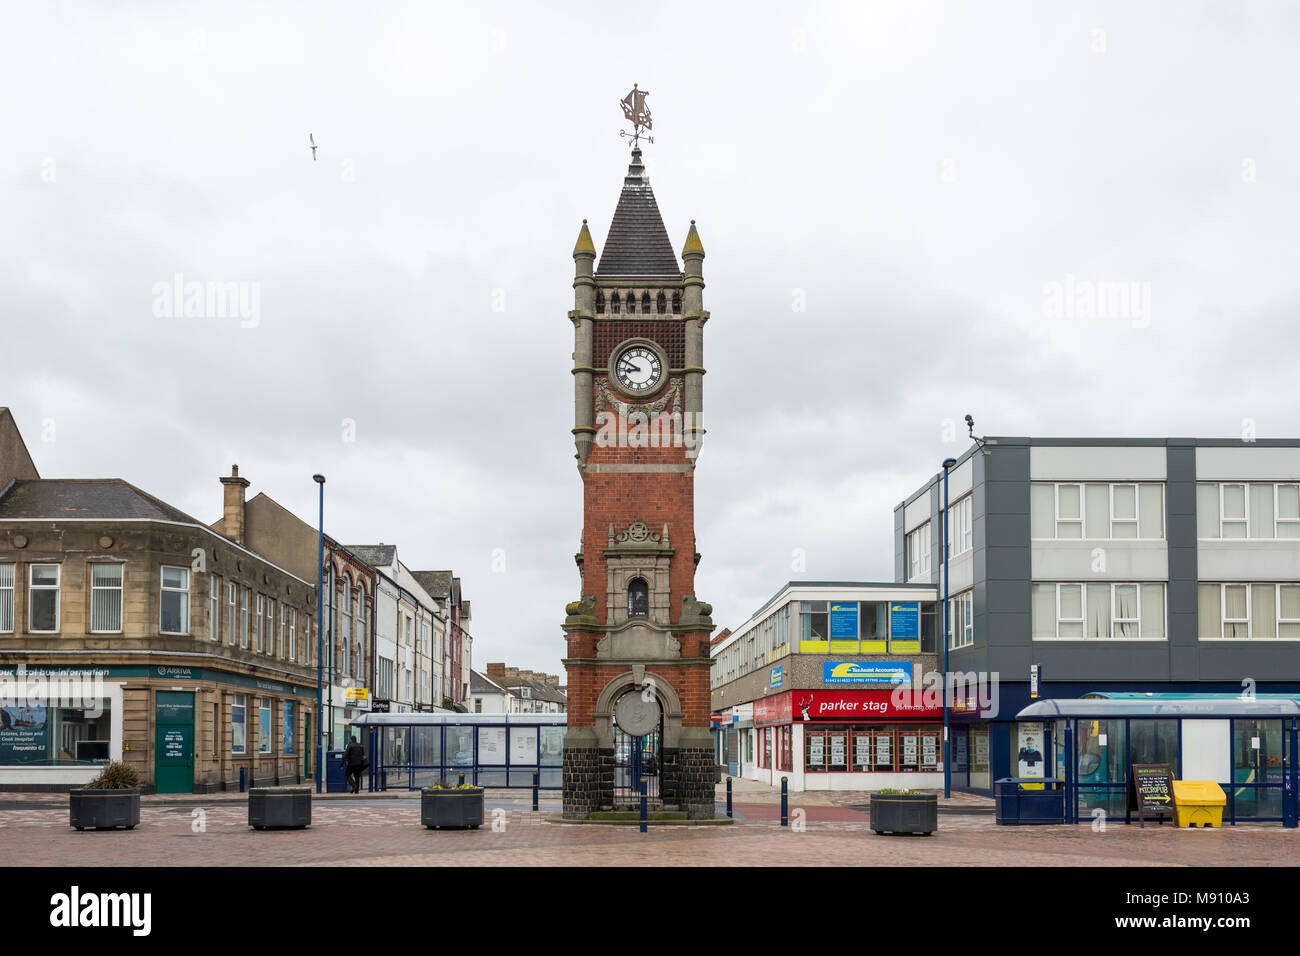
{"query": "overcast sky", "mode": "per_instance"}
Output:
(905, 209)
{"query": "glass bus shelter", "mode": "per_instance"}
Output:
(412, 751)
(1245, 744)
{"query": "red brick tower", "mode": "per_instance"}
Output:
(638, 641)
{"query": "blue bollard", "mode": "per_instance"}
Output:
(643, 805)
(728, 796)
(785, 802)
(535, 785)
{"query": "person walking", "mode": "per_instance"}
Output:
(354, 762)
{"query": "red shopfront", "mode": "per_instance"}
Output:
(848, 739)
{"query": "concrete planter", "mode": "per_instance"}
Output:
(103, 809)
(447, 809)
(905, 813)
(279, 808)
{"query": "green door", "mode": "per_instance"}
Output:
(173, 761)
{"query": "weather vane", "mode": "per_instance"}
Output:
(638, 114)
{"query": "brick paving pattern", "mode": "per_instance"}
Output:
(386, 832)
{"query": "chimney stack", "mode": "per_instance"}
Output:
(496, 670)
(234, 505)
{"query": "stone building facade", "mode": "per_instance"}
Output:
(130, 631)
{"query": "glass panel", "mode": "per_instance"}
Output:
(1234, 501)
(1261, 511)
(460, 746)
(1067, 502)
(523, 745)
(6, 575)
(1263, 610)
(1044, 610)
(1257, 762)
(106, 575)
(1125, 502)
(1234, 611)
(1151, 511)
(175, 612)
(1097, 507)
(1154, 741)
(1041, 511)
(1288, 501)
(1208, 610)
(426, 746)
(1207, 511)
(1153, 610)
(1098, 610)
(44, 610)
(552, 744)
(1101, 751)
(45, 574)
(1126, 611)
(175, 578)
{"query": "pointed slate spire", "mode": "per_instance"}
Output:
(638, 243)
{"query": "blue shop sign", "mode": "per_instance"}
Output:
(866, 672)
(905, 621)
(844, 620)
(776, 675)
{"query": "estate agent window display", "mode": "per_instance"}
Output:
(872, 748)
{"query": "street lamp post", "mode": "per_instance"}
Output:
(947, 747)
(320, 598)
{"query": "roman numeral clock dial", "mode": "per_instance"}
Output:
(638, 370)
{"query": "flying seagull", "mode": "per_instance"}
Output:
(313, 146)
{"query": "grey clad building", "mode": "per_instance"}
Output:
(1118, 566)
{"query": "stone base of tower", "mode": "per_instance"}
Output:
(588, 774)
(690, 775)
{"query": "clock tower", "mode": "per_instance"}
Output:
(638, 640)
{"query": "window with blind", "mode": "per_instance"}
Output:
(106, 598)
(1262, 610)
(6, 598)
(232, 611)
(260, 615)
(214, 591)
(175, 617)
(1081, 611)
(245, 598)
(1096, 510)
(1248, 510)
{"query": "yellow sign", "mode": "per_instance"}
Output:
(356, 693)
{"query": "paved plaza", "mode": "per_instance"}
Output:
(384, 830)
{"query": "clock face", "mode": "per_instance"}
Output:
(638, 369)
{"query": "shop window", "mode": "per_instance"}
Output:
(43, 599)
(287, 739)
(56, 736)
(106, 598)
(239, 724)
(787, 742)
(767, 748)
(264, 725)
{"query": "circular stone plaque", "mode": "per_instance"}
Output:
(637, 716)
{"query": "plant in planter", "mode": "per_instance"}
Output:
(111, 800)
(279, 808)
(904, 811)
(445, 806)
